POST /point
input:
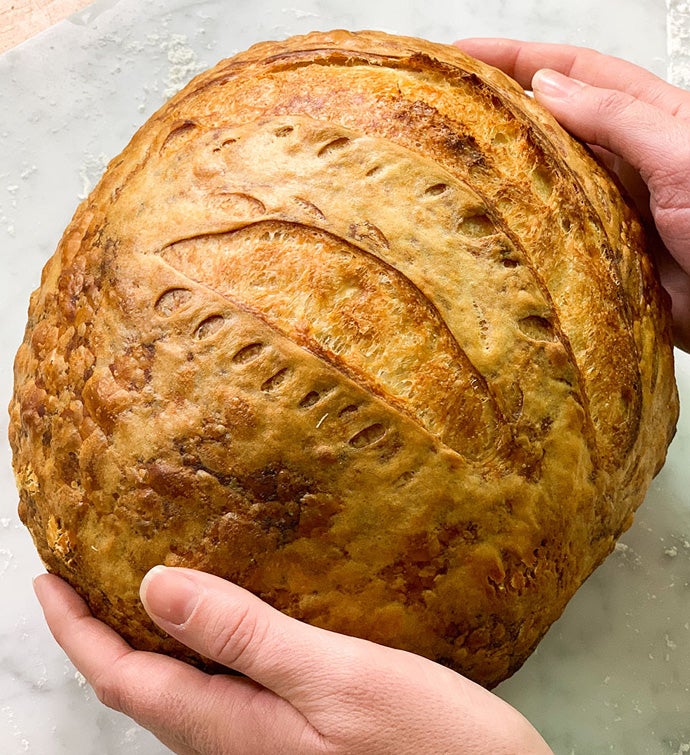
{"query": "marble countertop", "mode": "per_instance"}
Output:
(613, 674)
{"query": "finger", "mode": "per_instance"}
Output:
(360, 696)
(521, 60)
(228, 624)
(677, 283)
(644, 136)
(191, 712)
(320, 672)
(651, 141)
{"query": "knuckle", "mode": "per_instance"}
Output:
(231, 640)
(116, 685)
(611, 104)
(581, 56)
(520, 64)
(110, 691)
(668, 184)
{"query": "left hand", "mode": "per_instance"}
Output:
(307, 690)
(637, 123)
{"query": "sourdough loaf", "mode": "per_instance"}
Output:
(354, 323)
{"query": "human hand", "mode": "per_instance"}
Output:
(636, 119)
(307, 690)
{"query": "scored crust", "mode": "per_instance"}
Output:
(354, 323)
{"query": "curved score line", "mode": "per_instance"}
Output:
(494, 423)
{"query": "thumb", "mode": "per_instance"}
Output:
(652, 141)
(225, 623)
(356, 696)
(648, 138)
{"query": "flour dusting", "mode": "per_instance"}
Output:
(183, 62)
(90, 173)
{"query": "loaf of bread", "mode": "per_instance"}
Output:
(353, 323)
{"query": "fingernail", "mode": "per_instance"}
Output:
(38, 583)
(169, 595)
(554, 84)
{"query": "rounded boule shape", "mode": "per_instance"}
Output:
(353, 323)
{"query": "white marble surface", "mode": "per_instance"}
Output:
(613, 675)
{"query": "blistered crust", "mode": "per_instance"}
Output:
(354, 323)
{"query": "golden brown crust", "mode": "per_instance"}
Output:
(353, 322)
